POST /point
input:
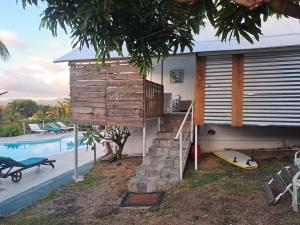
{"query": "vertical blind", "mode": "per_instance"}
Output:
(218, 87)
(272, 88)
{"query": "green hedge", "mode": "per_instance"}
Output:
(10, 130)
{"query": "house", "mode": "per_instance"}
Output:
(238, 96)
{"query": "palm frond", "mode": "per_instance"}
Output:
(4, 53)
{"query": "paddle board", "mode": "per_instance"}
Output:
(236, 158)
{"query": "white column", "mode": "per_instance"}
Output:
(144, 140)
(180, 156)
(196, 148)
(158, 124)
(75, 152)
(192, 122)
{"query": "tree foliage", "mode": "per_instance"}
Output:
(149, 28)
(4, 53)
(25, 107)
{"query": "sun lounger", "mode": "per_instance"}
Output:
(63, 126)
(54, 128)
(36, 128)
(13, 169)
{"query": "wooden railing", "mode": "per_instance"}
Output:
(154, 99)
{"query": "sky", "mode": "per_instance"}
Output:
(31, 73)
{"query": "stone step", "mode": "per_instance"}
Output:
(163, 151)
(171, 162)
(173, 128)
(170, 135)
(175, 116)
(165, 142)
(158, 172)
(142, 184)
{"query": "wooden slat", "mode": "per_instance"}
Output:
(121, 69)
(153, 95)
(199, 90)
(237, 90)
(112, 94)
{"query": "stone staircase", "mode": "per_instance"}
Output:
(160, 167)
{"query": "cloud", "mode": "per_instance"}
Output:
(19, 69)
(47, 65)
(27, 82)
(11, 39)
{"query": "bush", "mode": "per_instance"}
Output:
(10, 130)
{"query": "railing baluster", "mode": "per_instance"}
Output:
(192, 122)
(180, 156)
(179, 136)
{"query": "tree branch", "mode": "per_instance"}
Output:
(285, 7)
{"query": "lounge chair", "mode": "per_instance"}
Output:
(13, 169)
(63, 126)
(55, 127)
(36, 128)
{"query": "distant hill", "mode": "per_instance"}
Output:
(40, 102)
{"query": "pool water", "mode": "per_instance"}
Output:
(24, 150)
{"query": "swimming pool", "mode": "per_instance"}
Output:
(26, 149)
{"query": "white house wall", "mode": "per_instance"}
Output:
(134, 144)
(247, 137)
(179, 62)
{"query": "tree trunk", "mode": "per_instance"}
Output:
(95, 157)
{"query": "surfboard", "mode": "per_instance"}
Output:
(237, 159)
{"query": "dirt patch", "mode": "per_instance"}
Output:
(209, 163)
(217, 194)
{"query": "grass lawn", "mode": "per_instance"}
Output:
(217, 194)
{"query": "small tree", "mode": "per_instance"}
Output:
(91, 137)
(26, 107)
(118, 135)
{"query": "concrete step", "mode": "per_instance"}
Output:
(163, 151)
(175, 116)
(170, 162)
(173, 128)
(142, 184)
(165, 142)
(158, 172)
(170, 135)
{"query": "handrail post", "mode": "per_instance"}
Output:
(180, 155)
(196, 148)
(192, 122)
(144, 140)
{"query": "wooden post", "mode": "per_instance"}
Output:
(237, 90)
(199, 90)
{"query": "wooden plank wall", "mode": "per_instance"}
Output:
(109, 95)
(124, 95)
(237, 90)
(87, 86)
(199, 90)
(154, 99)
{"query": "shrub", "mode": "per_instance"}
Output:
(10, 130)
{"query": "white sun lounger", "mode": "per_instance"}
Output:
(64, 127)
(36, 128)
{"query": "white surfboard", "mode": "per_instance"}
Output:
(236, 158)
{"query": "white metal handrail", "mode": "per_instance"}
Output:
(179, 136)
